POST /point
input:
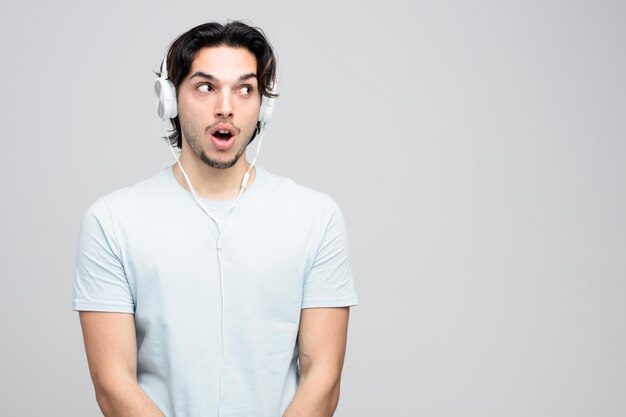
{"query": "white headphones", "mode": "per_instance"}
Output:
(166, 98)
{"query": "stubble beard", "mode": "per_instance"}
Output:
(192, 139)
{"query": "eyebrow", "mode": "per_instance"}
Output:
(241, 78)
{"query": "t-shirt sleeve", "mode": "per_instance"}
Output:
(100, 283)
(329, 282)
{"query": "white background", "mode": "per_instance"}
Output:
(477, 149)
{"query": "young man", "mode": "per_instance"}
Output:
(183, 316)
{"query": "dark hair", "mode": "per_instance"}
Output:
(234, 34)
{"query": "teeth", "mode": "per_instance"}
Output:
(223, 131)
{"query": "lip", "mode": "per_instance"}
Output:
(223, 126)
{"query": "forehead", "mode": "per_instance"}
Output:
(224, 62)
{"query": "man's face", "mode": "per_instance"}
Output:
(218, 104)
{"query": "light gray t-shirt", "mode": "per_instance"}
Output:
(150, 250)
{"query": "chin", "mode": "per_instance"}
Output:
(219, 163)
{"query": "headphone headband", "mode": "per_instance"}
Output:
(164, 68)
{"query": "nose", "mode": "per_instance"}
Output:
(224, 105)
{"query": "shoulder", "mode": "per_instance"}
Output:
(288, 202)
(288, 191)
(132, 198)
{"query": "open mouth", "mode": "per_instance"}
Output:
(222, 134)
(223, 131)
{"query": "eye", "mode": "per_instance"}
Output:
(204, 88)
(246, 90)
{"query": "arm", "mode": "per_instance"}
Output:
(111, 347)
(322, 346)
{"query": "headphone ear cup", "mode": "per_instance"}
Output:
(166, 98)
(267, 108)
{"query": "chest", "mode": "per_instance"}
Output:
(176, 264)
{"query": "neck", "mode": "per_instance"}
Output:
(213, 183)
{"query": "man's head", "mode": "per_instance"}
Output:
(223, 70)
